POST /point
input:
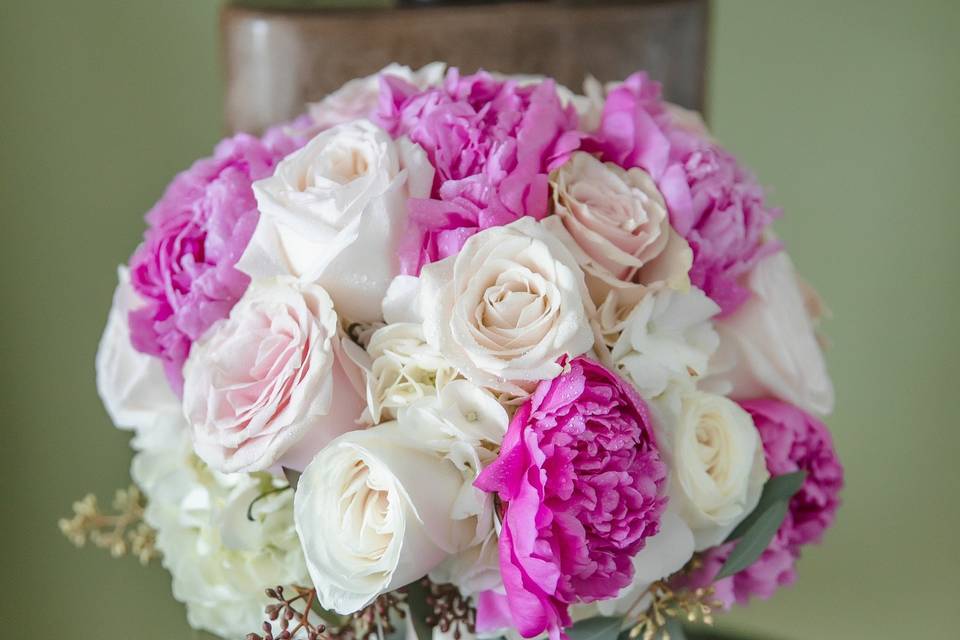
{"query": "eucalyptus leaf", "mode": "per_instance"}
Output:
(755, 539)
(782, 487)
(419, 609)
(293, 477)
(597, 628)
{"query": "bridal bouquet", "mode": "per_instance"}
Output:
(467, 355)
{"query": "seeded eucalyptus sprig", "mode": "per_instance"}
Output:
(291, 614)
(121, 532)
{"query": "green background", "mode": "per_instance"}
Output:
(848, 108)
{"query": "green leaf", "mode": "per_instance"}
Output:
(419, 609)
(293, 477)
(755, 539)
(782, 487)
(597, 628)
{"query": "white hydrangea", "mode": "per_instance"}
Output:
(404, 369)
(220, 561)
(667, 341)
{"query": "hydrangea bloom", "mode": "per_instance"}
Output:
(713, 202)
(184, 268)
(492, 143)
(583, 484)
(792, 441)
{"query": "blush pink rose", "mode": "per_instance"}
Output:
(582, 485)
(268, 385)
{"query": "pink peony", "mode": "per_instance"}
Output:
(792, 441)
(633, 127)
(492, 143)
(184, 268)
(725, 220)
(582, 485)
(772, 570)
(715, 204)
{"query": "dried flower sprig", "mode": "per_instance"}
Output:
(121, 532)
(289, 616)
(668, 604)
(375, 621)
(451, 611)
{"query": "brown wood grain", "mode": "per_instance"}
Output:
(276, 61)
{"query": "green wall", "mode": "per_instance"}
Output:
(849, 108)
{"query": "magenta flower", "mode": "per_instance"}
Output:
(725, 220)
(772, 570)
(582, 485)
(715, 204)
(633, 127)
(792, 441)
(492, 143)
(184, 268)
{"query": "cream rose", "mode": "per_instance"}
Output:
(667, 341)
(334, 212)
(132, 385)
(769, 347)
(374, 513)
(403, 369)
(717, 464)
(615, 223)
(380, 508)
(269, 377)
(507, 307)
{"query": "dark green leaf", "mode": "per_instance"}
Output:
(598, 628)
(755, 540)
(782, 487)
(293, 477)
(419, 609)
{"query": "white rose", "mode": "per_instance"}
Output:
(132, 385)
(269, 377)
(360, 97)
(380, 508)
(507, 307)
(403, 369)
(716, 461)
(220, 562)
(334, 213)
(374, 513)
(769, 347)
(667, 340)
